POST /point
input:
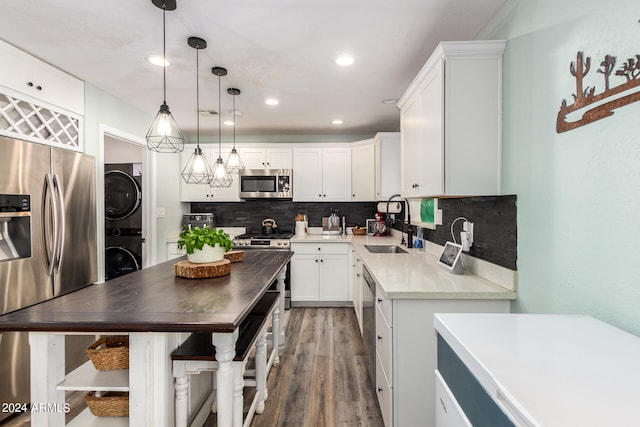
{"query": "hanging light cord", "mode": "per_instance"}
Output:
(234, 121)
(197, 99)
(164, 56)
(219, 122)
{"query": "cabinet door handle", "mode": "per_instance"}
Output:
(379, 300)
(379, 337)
(379, 389)
(321, 260)
(30, 84)
(357, 274)
(39, 87)
(319, 195)
(444, 407)
(316, 260)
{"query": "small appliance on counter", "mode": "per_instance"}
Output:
(199, 220)
(331, 224)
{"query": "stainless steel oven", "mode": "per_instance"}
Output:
(266, 184)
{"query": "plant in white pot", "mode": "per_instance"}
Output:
(204, 244)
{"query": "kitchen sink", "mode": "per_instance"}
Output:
(385, 249)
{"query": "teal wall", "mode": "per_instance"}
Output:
(579, 191)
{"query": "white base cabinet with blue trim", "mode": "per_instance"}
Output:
(498, 370)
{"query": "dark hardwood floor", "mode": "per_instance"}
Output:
(321, 380)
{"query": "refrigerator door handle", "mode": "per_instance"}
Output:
(62, 221)
(50, 243)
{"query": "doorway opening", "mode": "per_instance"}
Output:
(125, 217)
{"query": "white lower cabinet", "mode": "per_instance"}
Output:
(356, 290)
(406, 355)
(448, 410)
(320, 272)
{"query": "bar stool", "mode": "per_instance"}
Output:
(197, 354)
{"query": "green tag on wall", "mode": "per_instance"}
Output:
(426, 210)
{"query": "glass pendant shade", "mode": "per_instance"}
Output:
(234, 162)
(164, 136)
(197, 170)
(221, 176)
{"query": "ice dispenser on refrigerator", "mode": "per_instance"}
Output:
(15, 227)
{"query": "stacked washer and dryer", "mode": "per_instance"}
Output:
(123, 218)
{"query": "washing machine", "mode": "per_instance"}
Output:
(123, 218)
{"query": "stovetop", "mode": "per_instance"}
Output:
(260, 236)
(279, 240)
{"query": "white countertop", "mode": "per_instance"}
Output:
(413, 275)
(551, 370)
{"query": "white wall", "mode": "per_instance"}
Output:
(578, 192)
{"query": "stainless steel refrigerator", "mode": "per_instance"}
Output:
(47, 245)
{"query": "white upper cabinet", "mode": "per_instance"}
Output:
(261, 157)
(322, 173)
(30, 76)
(363, 171)
(451, 122)
(387, 164)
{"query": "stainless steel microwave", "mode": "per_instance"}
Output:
(266, 184)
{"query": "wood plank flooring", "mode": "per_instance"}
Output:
(322, 378)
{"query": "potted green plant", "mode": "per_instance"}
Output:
(204, 244)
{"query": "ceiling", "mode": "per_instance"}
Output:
(278, 48)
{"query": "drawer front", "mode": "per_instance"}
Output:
(384, 344)
(385, 395)
(448, 411)
(320, 248)
(385, 306)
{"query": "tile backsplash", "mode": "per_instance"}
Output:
(250, 213)
(495, 227)
(494, 218)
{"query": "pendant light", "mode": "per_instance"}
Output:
(221, 176)
(164, 136)
(234, 162)
(197, 169)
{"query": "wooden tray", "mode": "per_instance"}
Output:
(206, 270)
(234, 256)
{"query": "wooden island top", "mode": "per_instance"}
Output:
(154, 300)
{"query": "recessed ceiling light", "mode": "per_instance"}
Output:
(337, 122)
(228, 122)
(271, 101)
(236, 113)
(389, 101)
(158, 60)
(345, 60)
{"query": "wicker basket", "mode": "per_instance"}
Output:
(110, 353)
(110, 404)
(359, 231)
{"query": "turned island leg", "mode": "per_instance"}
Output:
(225, 346)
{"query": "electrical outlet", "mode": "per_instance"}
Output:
(466, 235)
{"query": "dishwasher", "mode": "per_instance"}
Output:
(369, 323)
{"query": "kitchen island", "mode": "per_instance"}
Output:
(152, 306)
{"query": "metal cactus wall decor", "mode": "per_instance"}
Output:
(601, 105)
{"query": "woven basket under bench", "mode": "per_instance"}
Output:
(110, 352)
(109, 404)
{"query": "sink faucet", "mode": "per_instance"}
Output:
(409, 227)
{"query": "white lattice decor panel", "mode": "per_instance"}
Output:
(19, 118)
